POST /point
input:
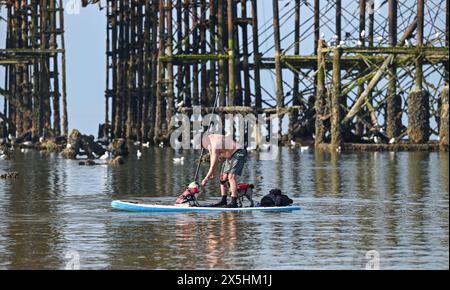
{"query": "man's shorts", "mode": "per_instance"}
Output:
(236, 163)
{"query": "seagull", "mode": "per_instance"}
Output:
(392, 141)
(360, 43)
(178, 160)
(377, 140)
(293, 144)
(139, 154)
(12, 139)
(363, 34)
(335, 37)
(27, 143)
(264, 147)
(304, 148)
(137, 143)
(22, 150)
(106, 156)
(3, 157)
(69, 146)
(380, 38)
(322, 35)
(339, 149)
(161, 144)
(146, 145)
(407, 43)
(342, 43)
(41, 140)
(179, 105)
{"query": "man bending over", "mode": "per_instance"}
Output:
(236, 156)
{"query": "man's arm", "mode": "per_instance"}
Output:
(214, 159)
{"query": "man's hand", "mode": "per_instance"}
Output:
(207, 178)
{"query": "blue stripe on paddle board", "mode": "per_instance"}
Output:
(126, 206)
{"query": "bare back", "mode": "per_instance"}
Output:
(225, 146)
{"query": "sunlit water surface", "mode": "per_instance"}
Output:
(394, 203)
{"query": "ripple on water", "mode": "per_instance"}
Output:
(396, 204)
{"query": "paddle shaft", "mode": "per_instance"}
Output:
(216, 104)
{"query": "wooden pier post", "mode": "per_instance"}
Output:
(316, 25)
(293, 115)
(394, 101)
(444, 116)
(418, 101)
(231, 54)
(371, 24)
(195, 50)
(256, 55)
(119, 94)
(336, 100)
(187, 50)
(338, 21)
(447, 43)
(359, 127)
(212, 91)
(203, 70)
(278, 67)
(140, 68)
(170, 74)
(45, 110)
(36, 121)
(180, 70)
(154, 70)
(221, 49)
(320, 103)
(146, 95)
(55, 70)
(130, 71)
(342, 98)
(160, 75)
(245, 53)
(238, 99)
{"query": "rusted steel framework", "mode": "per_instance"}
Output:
(336, 71)
(34, 88)
(372, 71)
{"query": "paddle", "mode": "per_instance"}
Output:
(216, 104)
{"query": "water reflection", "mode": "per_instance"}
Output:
(395, 203)
(30, 214)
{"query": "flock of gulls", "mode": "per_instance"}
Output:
(380, 39)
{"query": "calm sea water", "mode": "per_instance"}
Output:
(58, 213)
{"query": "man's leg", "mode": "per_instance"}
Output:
(233, 185)
(223, 190)
(223, 184)
(236, 170)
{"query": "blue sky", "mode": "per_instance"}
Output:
(86, 46)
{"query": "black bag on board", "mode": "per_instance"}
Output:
(276, 199)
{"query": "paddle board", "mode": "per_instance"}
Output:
(136, 207)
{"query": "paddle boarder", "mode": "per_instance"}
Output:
(235, 158)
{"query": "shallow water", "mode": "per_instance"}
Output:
(58, 213)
